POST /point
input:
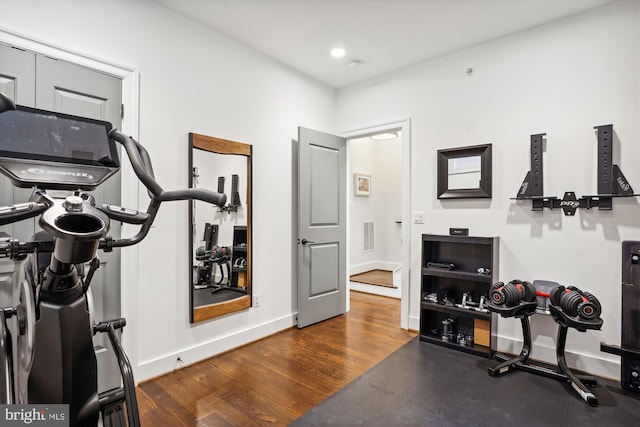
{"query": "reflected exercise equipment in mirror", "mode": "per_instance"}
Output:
(464, 172)
(220, 238)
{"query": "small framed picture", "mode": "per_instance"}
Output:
(362, 184)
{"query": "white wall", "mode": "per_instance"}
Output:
(192, 80)
(381, 160)
(562, 78)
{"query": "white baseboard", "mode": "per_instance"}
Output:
(376, 290)
(372, 289)
(414, 323)
(373, 265)
(167, 363)
(594, 364)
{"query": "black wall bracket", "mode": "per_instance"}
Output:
(235, 202)
(629, 348)
(611, 181)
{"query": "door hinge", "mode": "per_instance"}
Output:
(122, 111)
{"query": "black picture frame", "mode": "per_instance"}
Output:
(484, 188)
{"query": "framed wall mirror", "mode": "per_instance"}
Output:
(464, 172)
(220, 238)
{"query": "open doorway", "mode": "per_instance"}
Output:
(387, 205)
(375, 220)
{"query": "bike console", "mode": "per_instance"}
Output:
(54, 150)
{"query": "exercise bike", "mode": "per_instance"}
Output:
(54, 361)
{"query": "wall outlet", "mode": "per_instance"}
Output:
(256, 300)
(418, 217)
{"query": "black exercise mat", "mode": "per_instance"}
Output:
(422, 384)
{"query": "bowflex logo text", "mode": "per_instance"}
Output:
(58, 172)
(36, 415)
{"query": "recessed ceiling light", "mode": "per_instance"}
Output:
(338, 52)
(384, 136)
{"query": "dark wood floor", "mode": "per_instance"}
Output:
(276, 380)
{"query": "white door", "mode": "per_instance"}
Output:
(15, 65)
(64, 87)
(322, 212)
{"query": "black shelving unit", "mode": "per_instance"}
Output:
(467, 255)
(239, 268)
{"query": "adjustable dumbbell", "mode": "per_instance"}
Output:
(512, 293)
(574, 302)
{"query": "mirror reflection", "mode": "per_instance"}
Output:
(220, 237)
(464, 172)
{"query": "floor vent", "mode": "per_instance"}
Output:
(368, 236)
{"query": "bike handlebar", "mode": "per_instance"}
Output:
(141, 163)
(18, 212)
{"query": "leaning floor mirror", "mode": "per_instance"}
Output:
(220, 238)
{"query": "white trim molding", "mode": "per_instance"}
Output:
(178, 359)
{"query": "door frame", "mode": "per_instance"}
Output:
(129, 183)
(403, 126)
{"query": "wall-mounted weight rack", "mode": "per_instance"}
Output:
(611, 181)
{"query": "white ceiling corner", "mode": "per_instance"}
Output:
(385, 35)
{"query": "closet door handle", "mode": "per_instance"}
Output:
(304, 241)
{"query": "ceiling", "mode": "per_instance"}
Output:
(380, 36)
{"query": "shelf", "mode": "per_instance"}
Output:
(240, 270)
(467, 254)
(454, 274)
(456, 311)
(474, 240)
(478, 350)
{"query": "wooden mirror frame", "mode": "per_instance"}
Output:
(483, 191)
(220, 146)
